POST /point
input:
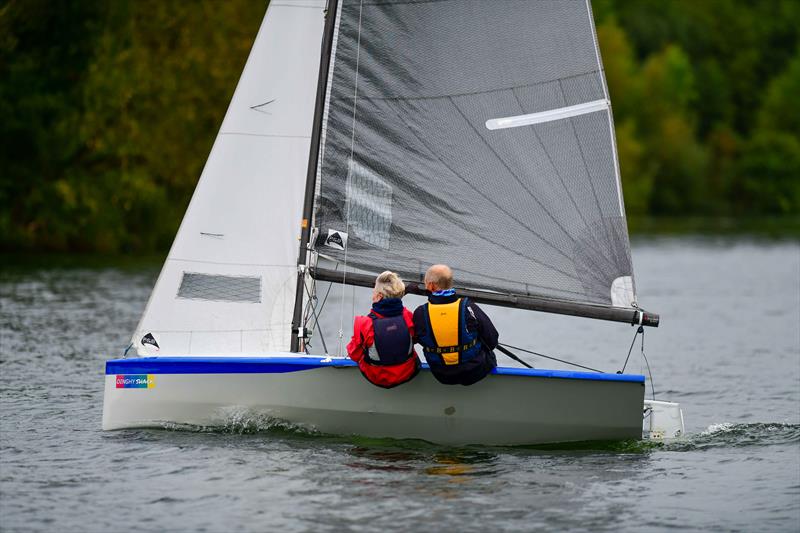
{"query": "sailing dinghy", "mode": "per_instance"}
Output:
(478, 134)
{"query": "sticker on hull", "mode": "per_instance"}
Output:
(136, 381)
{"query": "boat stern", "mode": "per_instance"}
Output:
(662, 420)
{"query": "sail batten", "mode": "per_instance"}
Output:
(546, 116)
(483, 138)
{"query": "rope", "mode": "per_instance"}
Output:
(349, 178)
(640, 329)
(649, 372)
(513, 356)
(550, 357)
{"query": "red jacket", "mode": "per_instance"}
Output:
(386, 376)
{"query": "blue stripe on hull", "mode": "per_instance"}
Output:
(278, 365)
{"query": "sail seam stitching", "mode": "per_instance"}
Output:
(610, 115)
(519, 181)
(585, 165)
(473, 93)
(516, 252)
(561, 179)
(595, 275)
(264, 135)
(276, 4)
(293, 266)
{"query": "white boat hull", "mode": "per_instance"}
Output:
(511, 407)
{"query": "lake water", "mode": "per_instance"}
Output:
(728, 349)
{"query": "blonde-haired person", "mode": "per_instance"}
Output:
(382, 342)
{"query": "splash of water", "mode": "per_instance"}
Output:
(243, 421)
(729, 435)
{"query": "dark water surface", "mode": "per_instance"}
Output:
(728, 350)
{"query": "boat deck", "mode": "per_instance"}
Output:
(281, 364)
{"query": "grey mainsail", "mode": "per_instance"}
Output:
(478, 134)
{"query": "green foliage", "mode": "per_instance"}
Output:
(781, 108)
(767, 178)
(768, 173)
(108, 111)
(706, 106)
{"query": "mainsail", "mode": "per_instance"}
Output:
(477, 134)
(228, 284)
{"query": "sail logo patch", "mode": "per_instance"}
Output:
(150, 344)
(136, 381)
(336, 239)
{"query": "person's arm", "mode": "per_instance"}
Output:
(419, 323)
(355, 348)
(412, 329)
(409, 318)
(486, 329)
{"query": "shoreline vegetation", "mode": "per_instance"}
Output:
(108, 111)
(775, 227)
(762, 230)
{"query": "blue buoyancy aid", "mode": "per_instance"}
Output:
(447, 341)
(392, 341)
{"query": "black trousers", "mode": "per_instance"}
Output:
(466, 373)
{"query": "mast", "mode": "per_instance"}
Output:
(533, 303)
(313, 155)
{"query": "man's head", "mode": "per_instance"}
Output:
(388, 285)
(438, 278)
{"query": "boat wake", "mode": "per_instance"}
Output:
(245, 421)
(728, 435)
(721, 435)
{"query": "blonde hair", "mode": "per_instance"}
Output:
(390, 285)
(441, 276)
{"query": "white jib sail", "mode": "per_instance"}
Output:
(227, 287)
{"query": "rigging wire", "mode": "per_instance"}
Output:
(640, 330)
(313, 310)
(549, 357)
(353, 310)
(322, 306)
(310, 308)
(317, 310)
(310, 304)
(312, 292)
(649, 372)
(349, 179)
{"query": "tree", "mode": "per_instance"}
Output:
(678, 161)
(768, 173)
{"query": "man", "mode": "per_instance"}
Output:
(382, 342)
(457, 337)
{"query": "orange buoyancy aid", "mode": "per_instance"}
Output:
(447, 340)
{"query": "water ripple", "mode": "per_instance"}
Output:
(58, 470)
